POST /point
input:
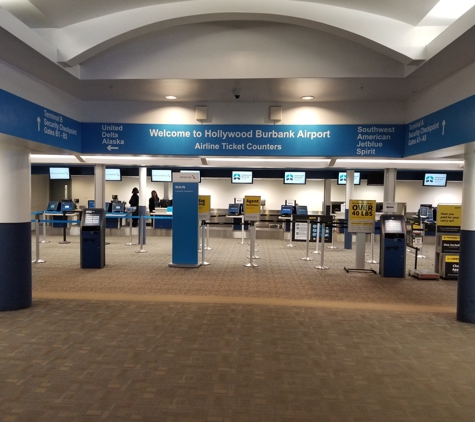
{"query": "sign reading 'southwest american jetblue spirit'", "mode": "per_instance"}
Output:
(27, 120)
(250, 140)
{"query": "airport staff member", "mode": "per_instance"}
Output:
(134, 202)
(153, 202)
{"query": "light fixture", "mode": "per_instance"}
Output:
(171, 97)
(307, 97)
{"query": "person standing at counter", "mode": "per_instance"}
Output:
(153, 202)
(134, 202)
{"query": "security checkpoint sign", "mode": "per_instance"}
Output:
(252, 208)
(361, 216)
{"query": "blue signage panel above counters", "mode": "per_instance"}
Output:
(453, 125)
(246, 140)
(27, 120)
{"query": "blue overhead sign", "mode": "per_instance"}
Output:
(453, 125)
(27, 120)
(246, 140)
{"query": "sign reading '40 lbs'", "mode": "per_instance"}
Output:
(361, 216)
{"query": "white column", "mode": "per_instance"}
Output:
(389, 185)
(350, 187)
(99, 185)
(143, 198)
(15, 228)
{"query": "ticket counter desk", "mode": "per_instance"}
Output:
(60, 211)
(114, 218)
(162, 218)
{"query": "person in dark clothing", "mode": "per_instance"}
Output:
(134, 202)
(153, 202)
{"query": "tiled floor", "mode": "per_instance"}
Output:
(138, 340)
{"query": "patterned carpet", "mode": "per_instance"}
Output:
(140, 341)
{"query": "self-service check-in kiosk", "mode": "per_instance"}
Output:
(93, 238)
(392, 259)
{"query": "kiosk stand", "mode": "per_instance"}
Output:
(93, 238)
(392, 246)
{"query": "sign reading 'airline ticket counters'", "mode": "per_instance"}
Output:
(361, 216)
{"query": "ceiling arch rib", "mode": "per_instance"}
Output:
(401, 41)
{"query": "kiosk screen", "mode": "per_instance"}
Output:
(301, 210)
(67, 206)
(117, 207)
(234, 209)
(52, 206)
(393, 226)
(286, 210)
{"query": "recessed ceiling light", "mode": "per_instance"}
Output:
(307, 97)
(171, 97)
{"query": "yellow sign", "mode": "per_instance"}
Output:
(361, 216)
(451, 238)
(452, 258)
(252, 208)
(204, 204)
(449, 215)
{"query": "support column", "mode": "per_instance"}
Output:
(466, 279)
(350, 188)
(15, 229)
(142, 204)
(99, 185)
(327, 195)
(389, 185)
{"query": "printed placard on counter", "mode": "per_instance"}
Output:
(252, 208)
(361, 216)
(450, 244)
(450, 268)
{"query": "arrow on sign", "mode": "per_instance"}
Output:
(443, 127)
(39, 121)
(110, 147)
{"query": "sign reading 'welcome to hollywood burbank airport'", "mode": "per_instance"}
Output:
(245, 140)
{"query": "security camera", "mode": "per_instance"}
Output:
(237, 93)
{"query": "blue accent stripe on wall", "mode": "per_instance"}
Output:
(466, 280)
(15, 262)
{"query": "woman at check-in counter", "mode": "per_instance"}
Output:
(134, 202)
(153, 202)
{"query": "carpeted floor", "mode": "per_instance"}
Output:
(138, 340)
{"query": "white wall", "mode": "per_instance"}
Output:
(223, 192)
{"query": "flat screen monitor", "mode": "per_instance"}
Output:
(90, 203)
(113, 175)
(196, 172)
(161, 175)
(294, 178)
(393, 226)
(375, 178)
(67, 206)
(435, 179)
(379, 207)
(342, 178)
(53, 206)
(234, 209)
(301, 210)
(117, 207)
(107, 207)
(286, 210)
(59, 173)
(241, 177)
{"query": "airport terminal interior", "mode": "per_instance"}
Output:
(312, 164)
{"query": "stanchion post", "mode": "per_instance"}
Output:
(333, 239)
(322, 256)
(372, 261)
(422, 256)
(130, 243)
(317, 241)
(64, 241)
(306, 257)
(44, 229)
(207, 247)
(290, 242)
(203, 247)
(37, 236)
(252, 242)
(140, 238)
